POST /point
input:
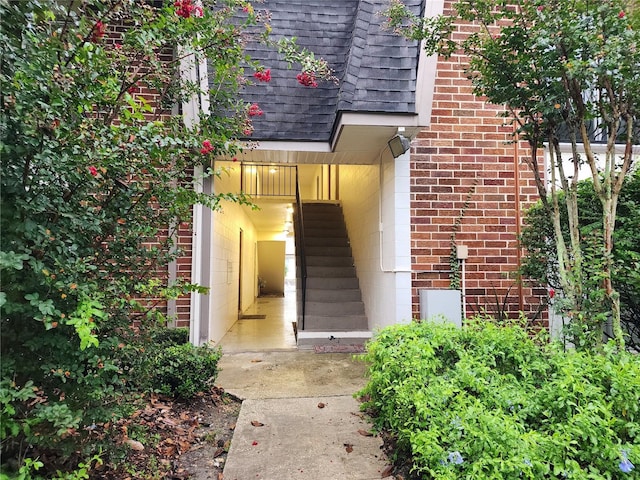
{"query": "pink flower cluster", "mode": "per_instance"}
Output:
(263, 75)
(99, 29)
(308, 79)
(93, 170)
(254, 110)
(186, 9)
(206, 147)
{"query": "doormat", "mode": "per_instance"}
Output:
(252, 317)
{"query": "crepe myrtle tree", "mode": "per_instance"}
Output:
(95, 160)
(97, 166)
(558, 67)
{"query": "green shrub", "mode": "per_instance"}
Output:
(486, 401)
(165, 337)
(184, 370)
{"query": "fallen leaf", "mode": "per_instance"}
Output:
(218, 452)
(256, 423)
(254, 443)
(387, 471)
(168, 451)
(256, 361)
(364, 433)
(134, 445)
(348, 447)
(321, 405)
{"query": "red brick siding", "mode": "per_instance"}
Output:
(183, 304)
(184, 234)
(467, 148)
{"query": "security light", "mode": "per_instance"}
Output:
(399, 145)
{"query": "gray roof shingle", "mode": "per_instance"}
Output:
(376, 69)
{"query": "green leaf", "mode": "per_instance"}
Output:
(12, 260)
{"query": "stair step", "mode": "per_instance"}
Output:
(325, 232)
(334, 311)
(333, 215)
(320, 217)
(329, 323)
(333, 295)
(337, 309)
(332, 283)
(324, 221)
(319, 251)
(333, 341)
(329, 261)
(332, 272)
(325, 242)
(321, 206)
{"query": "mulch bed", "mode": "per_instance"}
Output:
(180, 440)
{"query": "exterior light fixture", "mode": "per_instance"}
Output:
(398, 145)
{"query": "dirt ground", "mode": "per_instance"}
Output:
(185, 440)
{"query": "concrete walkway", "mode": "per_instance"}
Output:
(299, 419)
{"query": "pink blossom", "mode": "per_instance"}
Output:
(552, 293)
(308, 79)
(99, 30)
(93, 170)
(206, 147)
(184, 8)
(117, 46)
(263, 75)
(254, 110)
(621, 14)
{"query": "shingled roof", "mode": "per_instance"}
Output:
(376, 70)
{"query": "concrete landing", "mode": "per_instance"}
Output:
(299, 419)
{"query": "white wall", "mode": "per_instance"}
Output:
(271, 257)
(386, 282)
(311, 181)
(225, 262)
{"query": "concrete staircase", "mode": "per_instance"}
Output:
(335, 319)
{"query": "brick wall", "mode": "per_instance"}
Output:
(183, 239)
(465, 157)
(183, 266)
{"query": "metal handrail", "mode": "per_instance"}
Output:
(263, 180)
(300, 253)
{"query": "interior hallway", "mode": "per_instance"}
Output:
(273, 332)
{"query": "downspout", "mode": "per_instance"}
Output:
(516, 170)
(191, 71)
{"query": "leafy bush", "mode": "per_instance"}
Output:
(184, 370)
(486, 401)
(98, 176)
(166, 337)
(541, 263)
